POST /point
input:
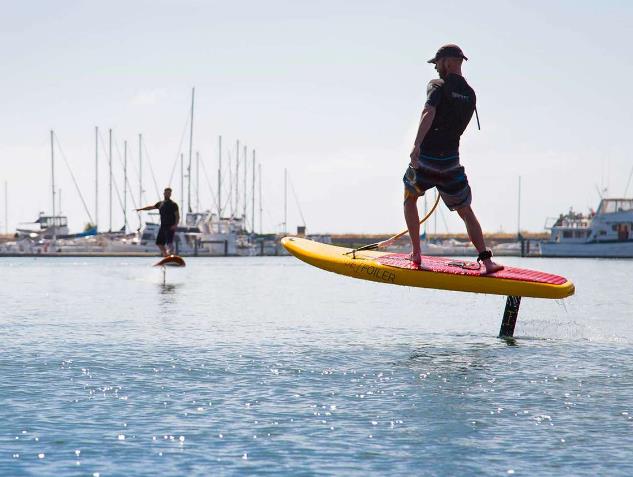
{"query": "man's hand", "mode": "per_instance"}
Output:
(415, 156)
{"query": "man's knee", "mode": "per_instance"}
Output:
(465, 212)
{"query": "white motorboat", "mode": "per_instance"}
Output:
(605, 233)
(45, 227)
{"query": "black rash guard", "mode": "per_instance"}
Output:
(168, 209)
(454, 101)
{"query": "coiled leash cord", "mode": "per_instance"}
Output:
(485, 255)
(389, 241)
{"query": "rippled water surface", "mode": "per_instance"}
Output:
(268, 366)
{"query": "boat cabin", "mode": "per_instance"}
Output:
(612, 206)
(613, 222)
(47, 221)
(46, 226)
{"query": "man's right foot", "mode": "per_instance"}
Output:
(491, 267)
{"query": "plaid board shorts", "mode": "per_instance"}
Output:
(445, 173)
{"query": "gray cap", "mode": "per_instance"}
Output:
(448, 51)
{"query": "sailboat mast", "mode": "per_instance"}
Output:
(110, 167)
(237, 177)
(182, 180)
(285, 200)
(230, 201)
(519, 211)
(245, 173)
(261, 227)
(193, 91)
(140, 170)
(124, 187)
(6, 208)
(53, 184)
(219, 180)
(197, 181)
(97, 177)
(253, 194)
(53, 172)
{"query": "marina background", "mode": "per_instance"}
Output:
(332, 94)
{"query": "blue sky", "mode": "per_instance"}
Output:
(332, 91)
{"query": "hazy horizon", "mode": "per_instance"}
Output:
(332, 93)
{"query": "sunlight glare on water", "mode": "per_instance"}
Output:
(265, 365)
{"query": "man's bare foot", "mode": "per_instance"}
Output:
(415, 258)
(491, 267)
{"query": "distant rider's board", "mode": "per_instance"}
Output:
(435, 272)
(171, 261)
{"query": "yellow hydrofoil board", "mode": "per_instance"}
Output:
(435, 272)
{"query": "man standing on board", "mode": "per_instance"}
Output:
(435, 156)
(169, 218)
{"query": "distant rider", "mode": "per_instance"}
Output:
(169, 218)
(435, 156)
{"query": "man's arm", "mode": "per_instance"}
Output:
(428, 114)
(148, 207)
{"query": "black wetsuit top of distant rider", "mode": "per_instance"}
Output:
(454, 101)
(168, 209)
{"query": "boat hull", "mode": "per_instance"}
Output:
(620, 249)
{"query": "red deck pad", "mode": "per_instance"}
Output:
(442, 265)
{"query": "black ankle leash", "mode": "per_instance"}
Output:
(485, 255)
